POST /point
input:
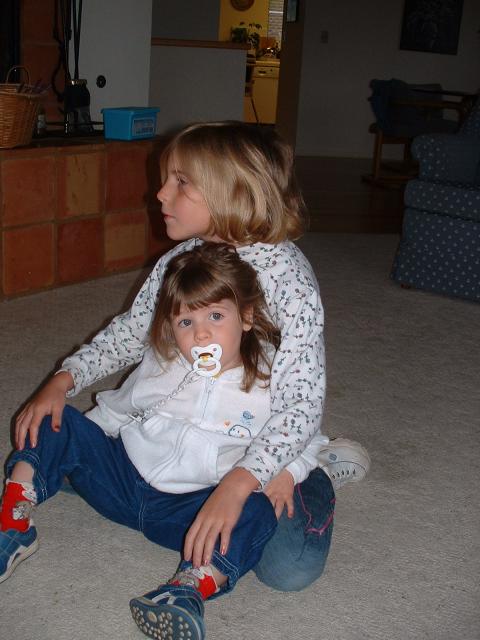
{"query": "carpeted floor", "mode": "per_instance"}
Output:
(403, 373)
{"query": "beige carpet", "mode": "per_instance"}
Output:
(403, 378)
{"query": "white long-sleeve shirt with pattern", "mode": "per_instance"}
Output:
(298, 380)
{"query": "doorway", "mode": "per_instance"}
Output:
(293, 20)
(272, 15)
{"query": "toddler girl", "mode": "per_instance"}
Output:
(165, 451)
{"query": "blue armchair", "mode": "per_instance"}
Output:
(403, 111)
(440, 245)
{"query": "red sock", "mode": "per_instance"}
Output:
(204, 581)
(17, 496)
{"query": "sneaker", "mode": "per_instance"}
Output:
(170, 613)
(16, 546)
(344, 461)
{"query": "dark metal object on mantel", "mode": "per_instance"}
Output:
(75, 97)
(77, 106)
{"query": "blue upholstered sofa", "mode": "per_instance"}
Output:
(439, 248)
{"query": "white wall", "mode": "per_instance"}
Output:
(115, 42)
(187, 84)
(231, 17)
(186, 19)
(334, 114)
(193, 84)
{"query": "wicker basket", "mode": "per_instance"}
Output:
(18, 112)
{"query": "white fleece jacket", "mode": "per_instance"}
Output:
(297, 385)
(194, 430)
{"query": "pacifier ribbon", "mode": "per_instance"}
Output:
(207, 360)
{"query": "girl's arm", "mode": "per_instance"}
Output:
(123, 342)
(218, 516)
(119, 345)
(221, 511)
(298, 380)
(49, 401)
(280, 488)
(308, 460)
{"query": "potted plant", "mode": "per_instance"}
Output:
(247, 34)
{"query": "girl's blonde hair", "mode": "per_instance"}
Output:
(206, 274)
(245, 173)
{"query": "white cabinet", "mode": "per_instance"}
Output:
(195, 83)
(265, 90)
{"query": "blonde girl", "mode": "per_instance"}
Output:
(231, 182)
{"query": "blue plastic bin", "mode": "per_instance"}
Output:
(129, 123)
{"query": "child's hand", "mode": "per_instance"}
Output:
(218, 516)
(49, 401)
(280, 493)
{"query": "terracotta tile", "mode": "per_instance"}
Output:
(153, 175)
(80, 184)
(125, 240)
(21, 153)
(80, 250)
(39, 50)
(85, 145)
(28, 259)
(158, 242)
(37, 19)
(40, 60)
(127, 183)
(28, 190)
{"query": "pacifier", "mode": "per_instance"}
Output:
(207, 357)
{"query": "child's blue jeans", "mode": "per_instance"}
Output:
(294, 552)
(101, 472)
(295, 556)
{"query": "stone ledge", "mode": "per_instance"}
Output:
(76, 211)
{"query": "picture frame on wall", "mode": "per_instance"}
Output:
(292, 10)
(431, 26)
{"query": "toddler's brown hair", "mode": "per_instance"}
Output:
(204, 275)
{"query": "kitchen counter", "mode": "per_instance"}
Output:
(267, 62)
(201, 44)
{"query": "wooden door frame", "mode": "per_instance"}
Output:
(290, 74)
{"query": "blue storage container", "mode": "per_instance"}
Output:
(129, 123)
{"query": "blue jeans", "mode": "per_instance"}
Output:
(297, 553)
(101, 473)
(294, 555)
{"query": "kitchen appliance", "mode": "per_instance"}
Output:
(265, 89)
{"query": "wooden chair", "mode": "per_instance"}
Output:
(408, 169)
(403, 112)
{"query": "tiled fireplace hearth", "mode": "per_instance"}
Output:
(77, 211)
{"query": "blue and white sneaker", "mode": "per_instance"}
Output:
(16, 546)
(171, 612)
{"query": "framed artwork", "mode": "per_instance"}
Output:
(431, 25)
(292, 10)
